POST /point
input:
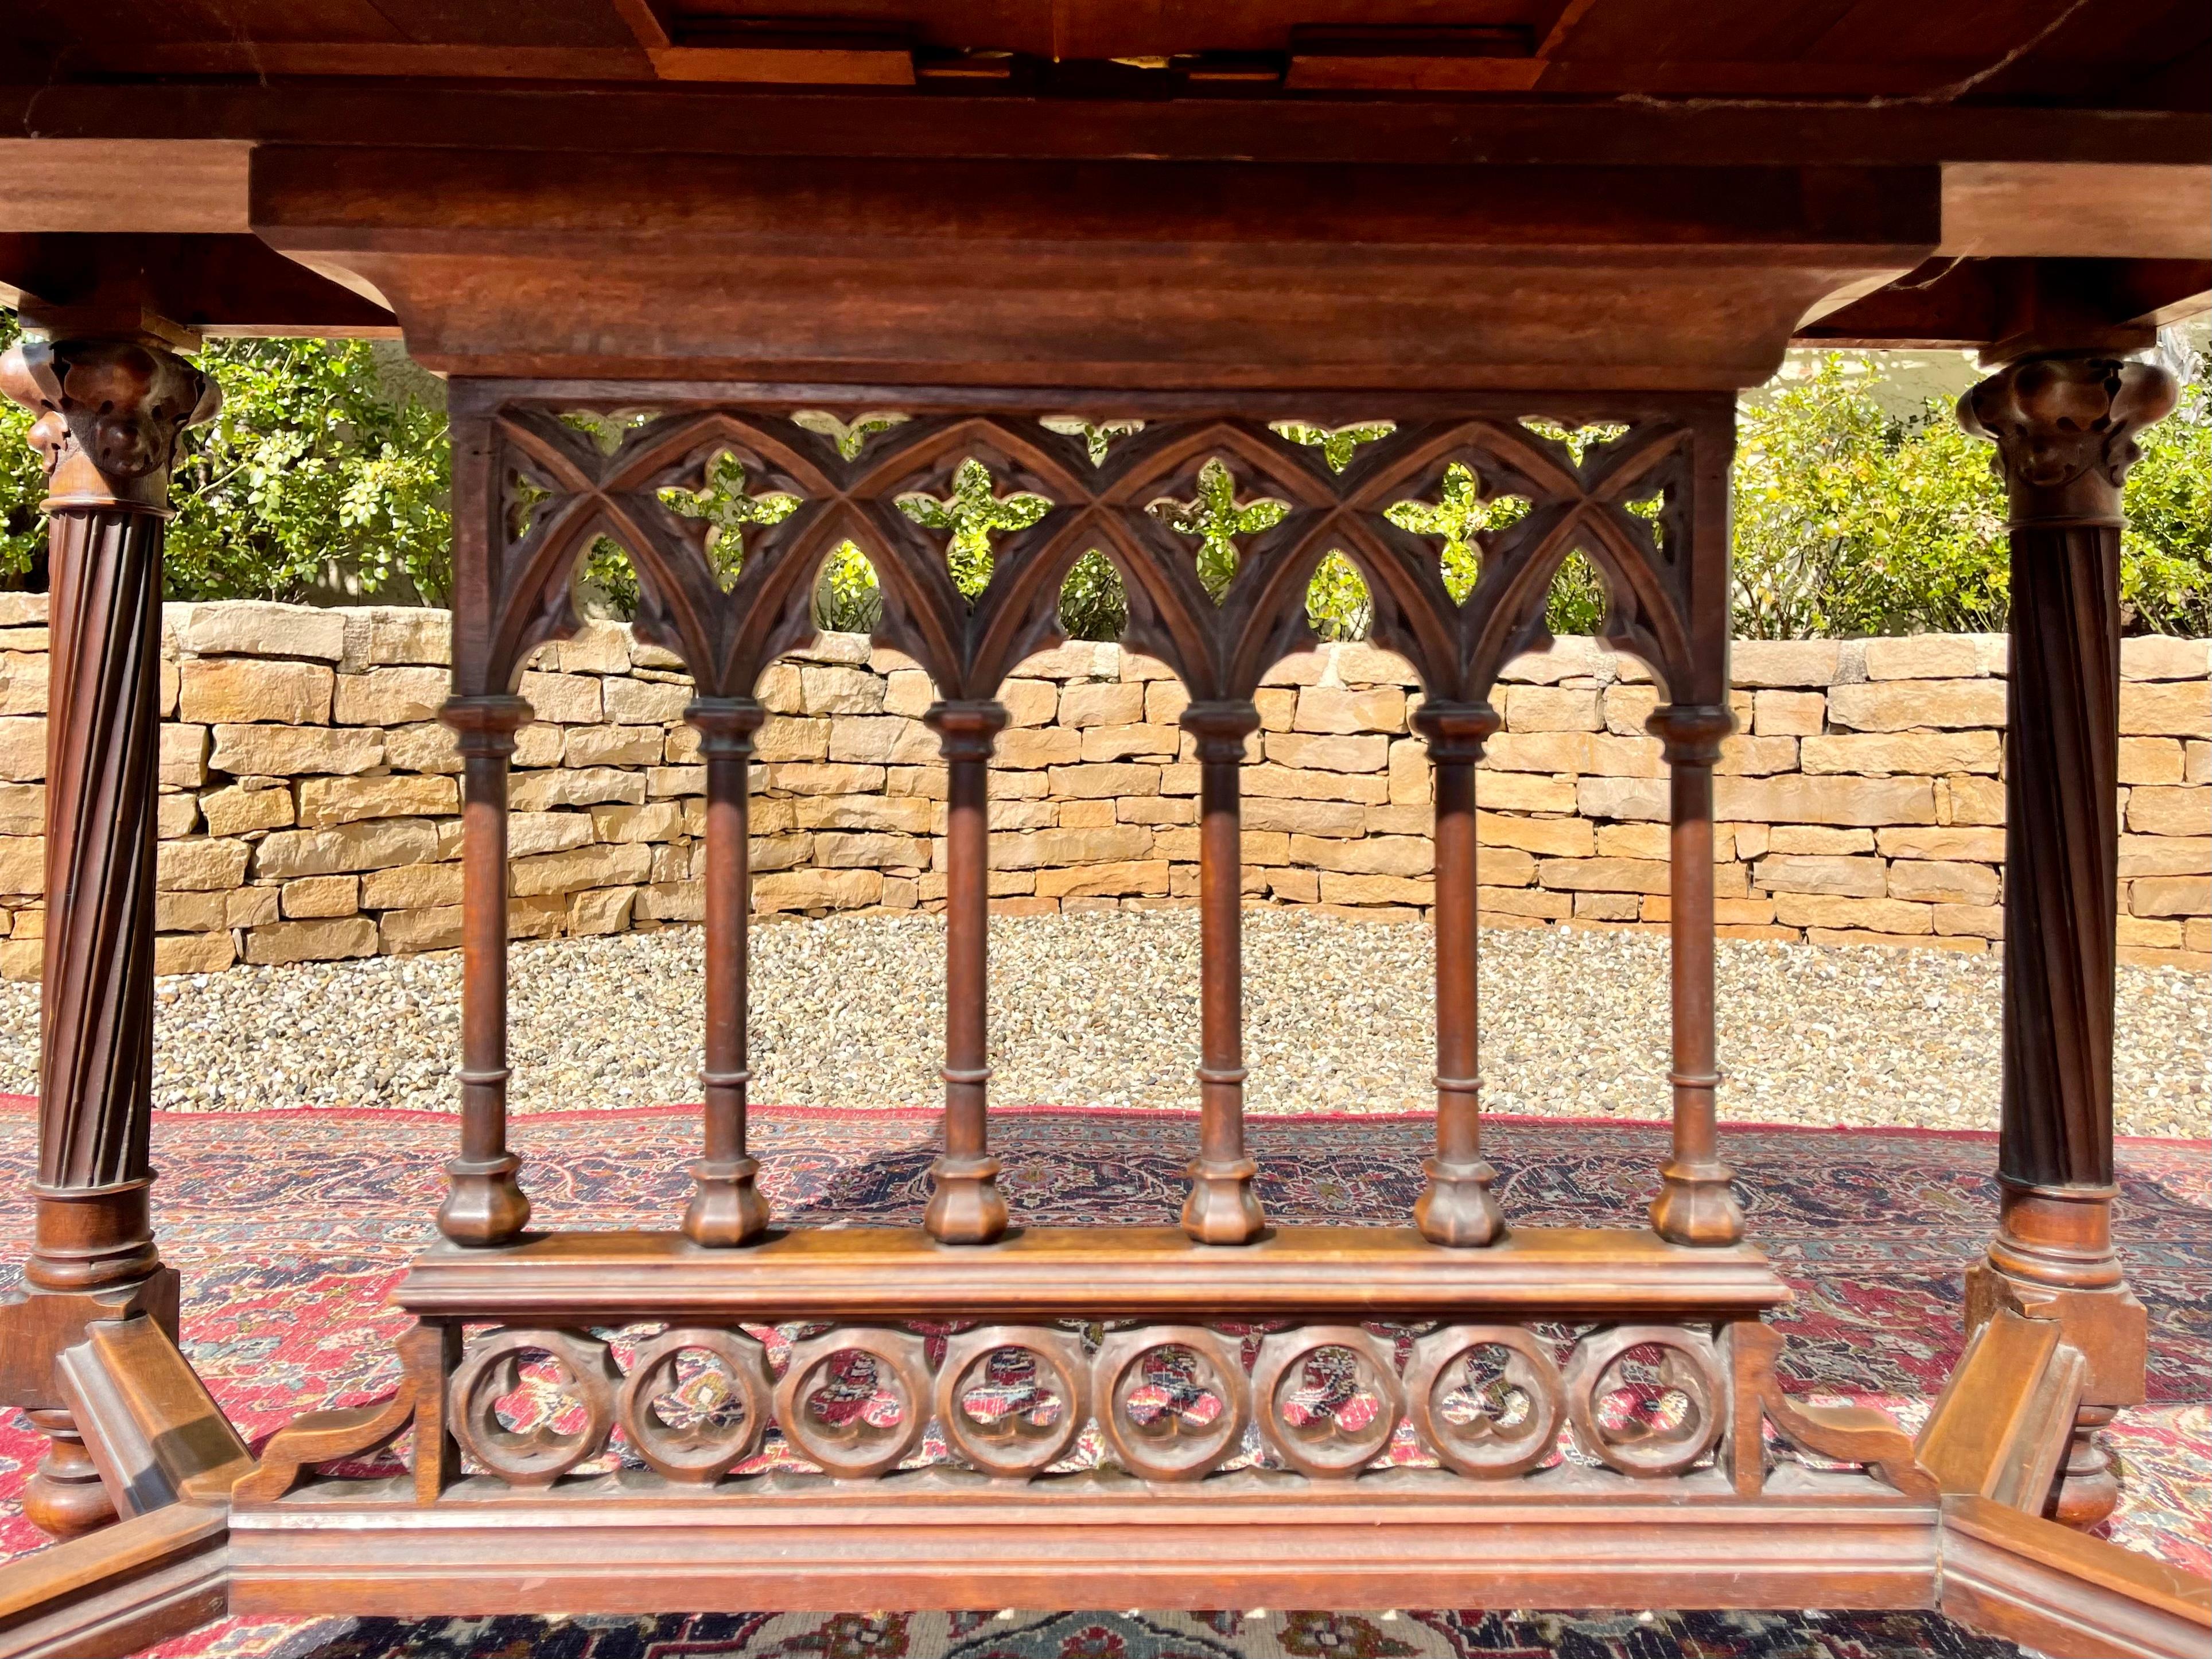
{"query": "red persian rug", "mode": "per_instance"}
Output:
(291, 1227)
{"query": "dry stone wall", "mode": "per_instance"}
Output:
(309, 801)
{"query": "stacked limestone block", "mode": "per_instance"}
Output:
(309, 807)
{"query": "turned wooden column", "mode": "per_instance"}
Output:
(2064, 428)
(1222, 1208)
(726, 1208)
(965, 1206)
(110, 413)
(485, 1203)
(1456, 1207)
(1696, 1203)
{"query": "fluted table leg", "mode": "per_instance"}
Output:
(110, 413)
(2064, 428)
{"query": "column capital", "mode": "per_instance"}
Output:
(2065, 431)
(484, 726)
(1691, 732)
(724, 725)
(966, 728)
(1221, 728)
(109, 412)
(1455, 730)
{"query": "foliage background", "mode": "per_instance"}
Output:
(323, 468)
(326, 476)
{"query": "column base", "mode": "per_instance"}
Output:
(85, 1238)
(1457, 1207)
(966, 1207)
(2052, 1258)
(64, 1498)
(2060, 1236)
(726, 1208)
(1222, 1208)
(1697, 1206)
(484, 1204)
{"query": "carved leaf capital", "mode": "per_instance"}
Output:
(2065, 430)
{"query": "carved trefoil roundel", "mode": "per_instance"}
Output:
(855, 1401)
(1327, 1397)
(1172, 1400)
(1485, 1399)
(529, 1405)
(1013, 1399)
(696, 1402)
(1650, 1400)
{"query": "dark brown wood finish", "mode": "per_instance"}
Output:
(1645, 499)
(939, 1542)
(185, 116)
(2065, 430)
(1614, 212)
(965, 1206)
(1696, 1204)
(1457, 1207)
(2061, 1592)
(2086, 51)
(1129, 275)
(726, 1207)
(1222, 1208)
(109, 414)
(121, 1591)
(1074, 1272)
(149, 1426)
(211, 284)
(484, 1202)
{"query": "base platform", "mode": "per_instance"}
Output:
(940, 1539)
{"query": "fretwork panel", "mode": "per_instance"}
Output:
(1216, 524)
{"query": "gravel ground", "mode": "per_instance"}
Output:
(1103, 1009)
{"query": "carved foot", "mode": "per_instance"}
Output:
(1697, 1206)
(1221, 1208)
(484, 1204)
(726, 1207)
(64, 1498)
(967, 1206)
(1457, 1208)
(2088, 1487)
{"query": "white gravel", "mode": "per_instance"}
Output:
(1103, 1009)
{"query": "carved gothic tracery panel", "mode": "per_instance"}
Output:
(1215, 526)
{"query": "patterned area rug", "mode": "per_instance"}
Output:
(1012, 1634)
(291, 1227)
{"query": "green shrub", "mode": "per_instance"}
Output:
(1849, 520)
(846, 597)
(2165, 550)
(1093, 604)
(316, 464)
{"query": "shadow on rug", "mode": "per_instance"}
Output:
(291, 1227)
(1167, 1636)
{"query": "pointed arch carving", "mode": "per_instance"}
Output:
(1665, 571)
